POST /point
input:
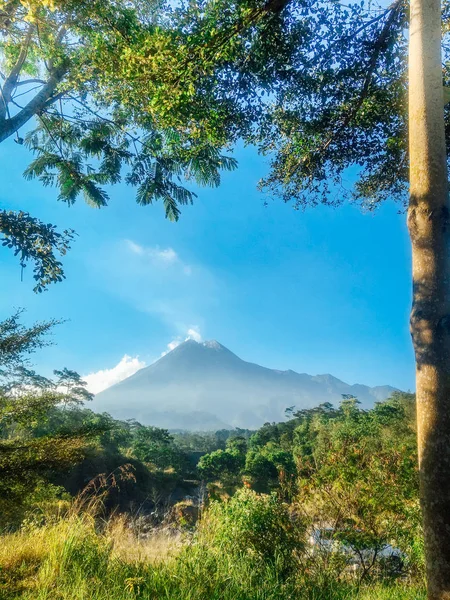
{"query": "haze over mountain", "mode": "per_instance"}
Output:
(204, 386)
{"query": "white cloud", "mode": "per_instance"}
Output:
(172, 345)
(158, 256)
(99, 381)
(193, 333)
(168, 254)
(157, 281)
(135, 247)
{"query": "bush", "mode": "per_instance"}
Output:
(256, 527)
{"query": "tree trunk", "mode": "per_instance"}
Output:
(428, 221)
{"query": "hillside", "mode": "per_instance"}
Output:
(204, 386)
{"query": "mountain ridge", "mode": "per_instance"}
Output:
(204, 385)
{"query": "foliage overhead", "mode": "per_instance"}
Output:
(157, 92)
(321, 85)
(84, 89)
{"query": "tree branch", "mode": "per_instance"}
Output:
(392, 11)
(378, 47)
(27, 81)
(38, 103)
(11, 80)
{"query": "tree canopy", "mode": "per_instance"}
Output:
(157, 92)
(84, 88)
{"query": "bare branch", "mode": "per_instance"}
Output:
(27, 81)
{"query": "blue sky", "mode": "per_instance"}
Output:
(320, 291)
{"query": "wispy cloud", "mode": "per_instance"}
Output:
(193, 333)
(136, 248)
(157, 255)
(158, 281)
(100, 380)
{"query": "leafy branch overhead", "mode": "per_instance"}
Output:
(157, 94)
(72, 68)
(33, 240)
(87, 120)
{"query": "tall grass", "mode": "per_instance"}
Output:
(72, 560)
(244, 550)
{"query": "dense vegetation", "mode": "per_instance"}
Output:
(52, 445)
(323, 505)
(347, 467)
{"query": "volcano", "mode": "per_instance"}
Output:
(203, 386)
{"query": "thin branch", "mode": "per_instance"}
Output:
(27, 81)
(15, 96)
(133, 138)
(370, 70)
(19, 106)
(11, 80)
(329, 51)
(60, 148)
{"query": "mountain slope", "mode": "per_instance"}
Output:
(204, 386)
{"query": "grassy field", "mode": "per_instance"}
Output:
(72, 559)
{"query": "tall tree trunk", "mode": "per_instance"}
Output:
(428, 221)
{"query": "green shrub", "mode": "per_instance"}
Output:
(254, 526)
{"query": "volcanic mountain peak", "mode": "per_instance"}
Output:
(214, 345)
(198, 352)
(203, 385)
(192, 345)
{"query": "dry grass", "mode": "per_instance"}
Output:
(132, 546)
(72, 560)
(79, 556)
(17, 549)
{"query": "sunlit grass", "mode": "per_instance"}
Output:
(155, 547)
(73, 560)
